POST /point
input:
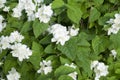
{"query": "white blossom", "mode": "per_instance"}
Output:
(100, 69)
(45, 67)
(60, 34)
(73, 75)
(115, 25)
(2, 24)
(6, 9)
(20, 51)
(73, 31)
(114, 53)
(15, 37)
(71, 65)
(44, 13)
(2, 3)
(4, 42)
(13, 75)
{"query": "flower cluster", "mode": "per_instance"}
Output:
(2, 24)
(45, 67)
(73, 74)
(61, 34)
(115, 25)
(13, 75)
(13, 42)
(100, 69)
(44, 13)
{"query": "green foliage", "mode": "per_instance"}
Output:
(39, 28)
(91, 43)
(94, 14)
(100, 44)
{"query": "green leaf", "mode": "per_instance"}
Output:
(9, 63)
(115, 39)
(65, 77)
(98, 2)
(46, 40)
(26, 70)
(63, 70)
(39, 28)
(74, 11)
(64, 60)
(69, 49)
(43, 77)
(26, 27)
(36, 55)
(50, 49)
(57, 4)
(100, 44)
(94, 15)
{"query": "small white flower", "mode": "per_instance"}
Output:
(15, 37)
(44, 13)
(117, 19)
(114, 53)
(1, 63)
(2, 24)
(60, 34)
(6, 9)
(71, 65)
(111, 21)
(100, 69)
(13, 75)
(45, 67)
(73, 31)
(2, 3)
(73, 75)
(4, 42)
(94, 64)
(20, 51)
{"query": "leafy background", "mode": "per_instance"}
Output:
(92, 42)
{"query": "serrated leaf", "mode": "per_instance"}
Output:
(26, 27)
(39, 28)
(37, 50)
(115, 39)
(9, 63)
(69, 49)
(74, 11)
(63, 70)
(57, 4)
(50, 49)
(100, 44)
(98, 2)
(94, 15)
(64, 60)
(65, 77)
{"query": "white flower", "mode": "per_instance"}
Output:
(17, 12)
(4, 42)
(15, 37)
(38, 1)
(73, 31)
(60, 34)
(71, 65)
(20, 51)
(2, 3)
(114, 53)
(45, 67)
(117, 19)
(44, 13)
(94, 64)
(6, 9)
(13, 75)
(111, 21)
(73, 75)
(1, 63)
(100, 69)
(2, 24)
